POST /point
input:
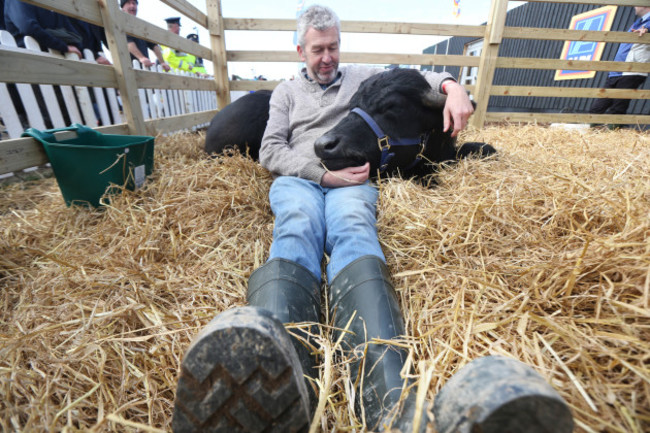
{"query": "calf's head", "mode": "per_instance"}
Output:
(402, 104)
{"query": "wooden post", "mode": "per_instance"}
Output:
(116, 38)
(219, 59)
(487, 65)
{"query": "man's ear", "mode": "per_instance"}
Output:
(300, 52)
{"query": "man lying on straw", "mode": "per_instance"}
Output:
(244, 372)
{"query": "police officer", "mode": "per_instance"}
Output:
(198, 68)
(175, 58)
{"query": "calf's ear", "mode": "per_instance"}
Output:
(434, 99)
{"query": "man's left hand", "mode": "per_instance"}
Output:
(346, 177)
(457, 109)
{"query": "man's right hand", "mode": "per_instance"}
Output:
(457, 109)
(346, 176)
(146, 62)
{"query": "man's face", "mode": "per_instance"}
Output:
(641, 10)
(174, 28)
(321, 54)
(131, 7)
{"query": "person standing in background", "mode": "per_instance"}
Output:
(177, 59)
(138, 47)
(627, 52)
(93, 36)
(198, 68)
(50, 29)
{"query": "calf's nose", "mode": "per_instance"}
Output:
(325, 145)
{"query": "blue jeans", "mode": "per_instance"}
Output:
(311, 219)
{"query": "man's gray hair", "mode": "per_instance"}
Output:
(320, 18)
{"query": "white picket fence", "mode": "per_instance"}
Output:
(156, 103)
(76, 101)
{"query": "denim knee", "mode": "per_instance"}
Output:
(351, 220)
(299, 231)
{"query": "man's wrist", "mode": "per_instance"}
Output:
(446, 84)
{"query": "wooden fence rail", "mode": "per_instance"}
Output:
(19, 66)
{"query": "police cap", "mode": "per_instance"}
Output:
(173, 20)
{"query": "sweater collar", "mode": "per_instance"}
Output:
(305, 75)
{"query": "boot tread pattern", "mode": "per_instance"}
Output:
(227, 384)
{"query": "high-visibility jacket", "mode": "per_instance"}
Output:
(198, 67)
(178, 59)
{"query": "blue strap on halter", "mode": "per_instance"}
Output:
(385, 142)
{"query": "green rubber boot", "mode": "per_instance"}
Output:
(364, 287)
(244, 372)
(292, 294)
(495, 394)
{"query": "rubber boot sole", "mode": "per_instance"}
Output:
(241, 374)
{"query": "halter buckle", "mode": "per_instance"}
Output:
(383, 143)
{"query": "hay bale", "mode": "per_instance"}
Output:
(541, 254)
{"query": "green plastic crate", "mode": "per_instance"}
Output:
(91, 164)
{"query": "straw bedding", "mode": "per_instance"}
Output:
(541, 254)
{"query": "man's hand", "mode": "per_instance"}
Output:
(458, 108)
(73, 49)
(165, 67)
(145, 61)
(346, 176)
(103, 60)
(642, 31)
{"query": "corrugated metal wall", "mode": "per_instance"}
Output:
(543, 15)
